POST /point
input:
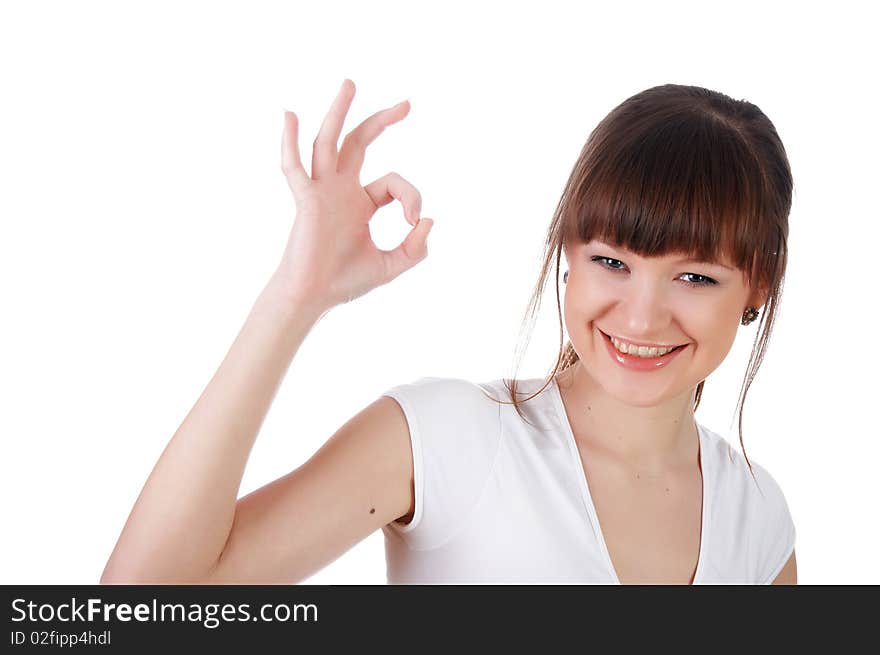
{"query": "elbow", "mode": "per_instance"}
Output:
(107, 577)
(116, 576)
(111, 576)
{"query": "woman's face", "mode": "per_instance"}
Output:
(664, 300)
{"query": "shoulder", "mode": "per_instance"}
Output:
(773, 528)
(442, 388)
(452, 416)
(455, 436)
(445, 400)
(752, 503)
(736, 478)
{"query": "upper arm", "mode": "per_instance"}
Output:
(358, 481)
(788, 574)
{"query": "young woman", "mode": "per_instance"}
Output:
(673, 224)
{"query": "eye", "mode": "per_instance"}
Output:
(703, 281)
(607, 259)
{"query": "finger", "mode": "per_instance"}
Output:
(393, 186)
(324, 151)
(412, 250)
(291, 164)
(354, 145)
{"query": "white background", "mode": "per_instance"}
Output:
(143, 209)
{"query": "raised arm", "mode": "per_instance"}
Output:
(187, 525)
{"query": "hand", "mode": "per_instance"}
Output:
(330, 257)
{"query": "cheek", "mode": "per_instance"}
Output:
(576, 310)
(579, 316)
(713, 333)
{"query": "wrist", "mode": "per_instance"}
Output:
(277, 296)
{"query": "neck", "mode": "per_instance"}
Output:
(655, 438)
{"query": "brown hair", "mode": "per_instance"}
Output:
(678, 169)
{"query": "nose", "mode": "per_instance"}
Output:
(644, 309)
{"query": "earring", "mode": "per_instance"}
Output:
(565, 277)
(749, 315)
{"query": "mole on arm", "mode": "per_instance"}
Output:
(372, 510)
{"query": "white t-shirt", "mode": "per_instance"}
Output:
(498, 501)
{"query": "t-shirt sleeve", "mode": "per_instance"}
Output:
(454, 433)
(775, 533)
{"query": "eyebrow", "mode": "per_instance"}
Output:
(703, 261)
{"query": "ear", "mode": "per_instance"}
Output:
(565, 257)
(759, 297)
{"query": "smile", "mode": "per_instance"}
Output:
(640, 358)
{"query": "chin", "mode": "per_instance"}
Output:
(646, 399)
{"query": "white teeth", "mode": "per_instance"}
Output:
(640, 351)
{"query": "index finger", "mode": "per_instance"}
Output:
(324, 151)
(353, 150)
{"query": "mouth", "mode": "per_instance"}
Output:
(610, 342)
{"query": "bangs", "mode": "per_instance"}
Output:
(685, 184)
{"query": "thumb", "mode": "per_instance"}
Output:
(412, 250)
(424, 237)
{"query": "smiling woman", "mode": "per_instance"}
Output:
(675, 175)
(674, 224)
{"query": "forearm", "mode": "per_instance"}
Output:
(182, 518)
